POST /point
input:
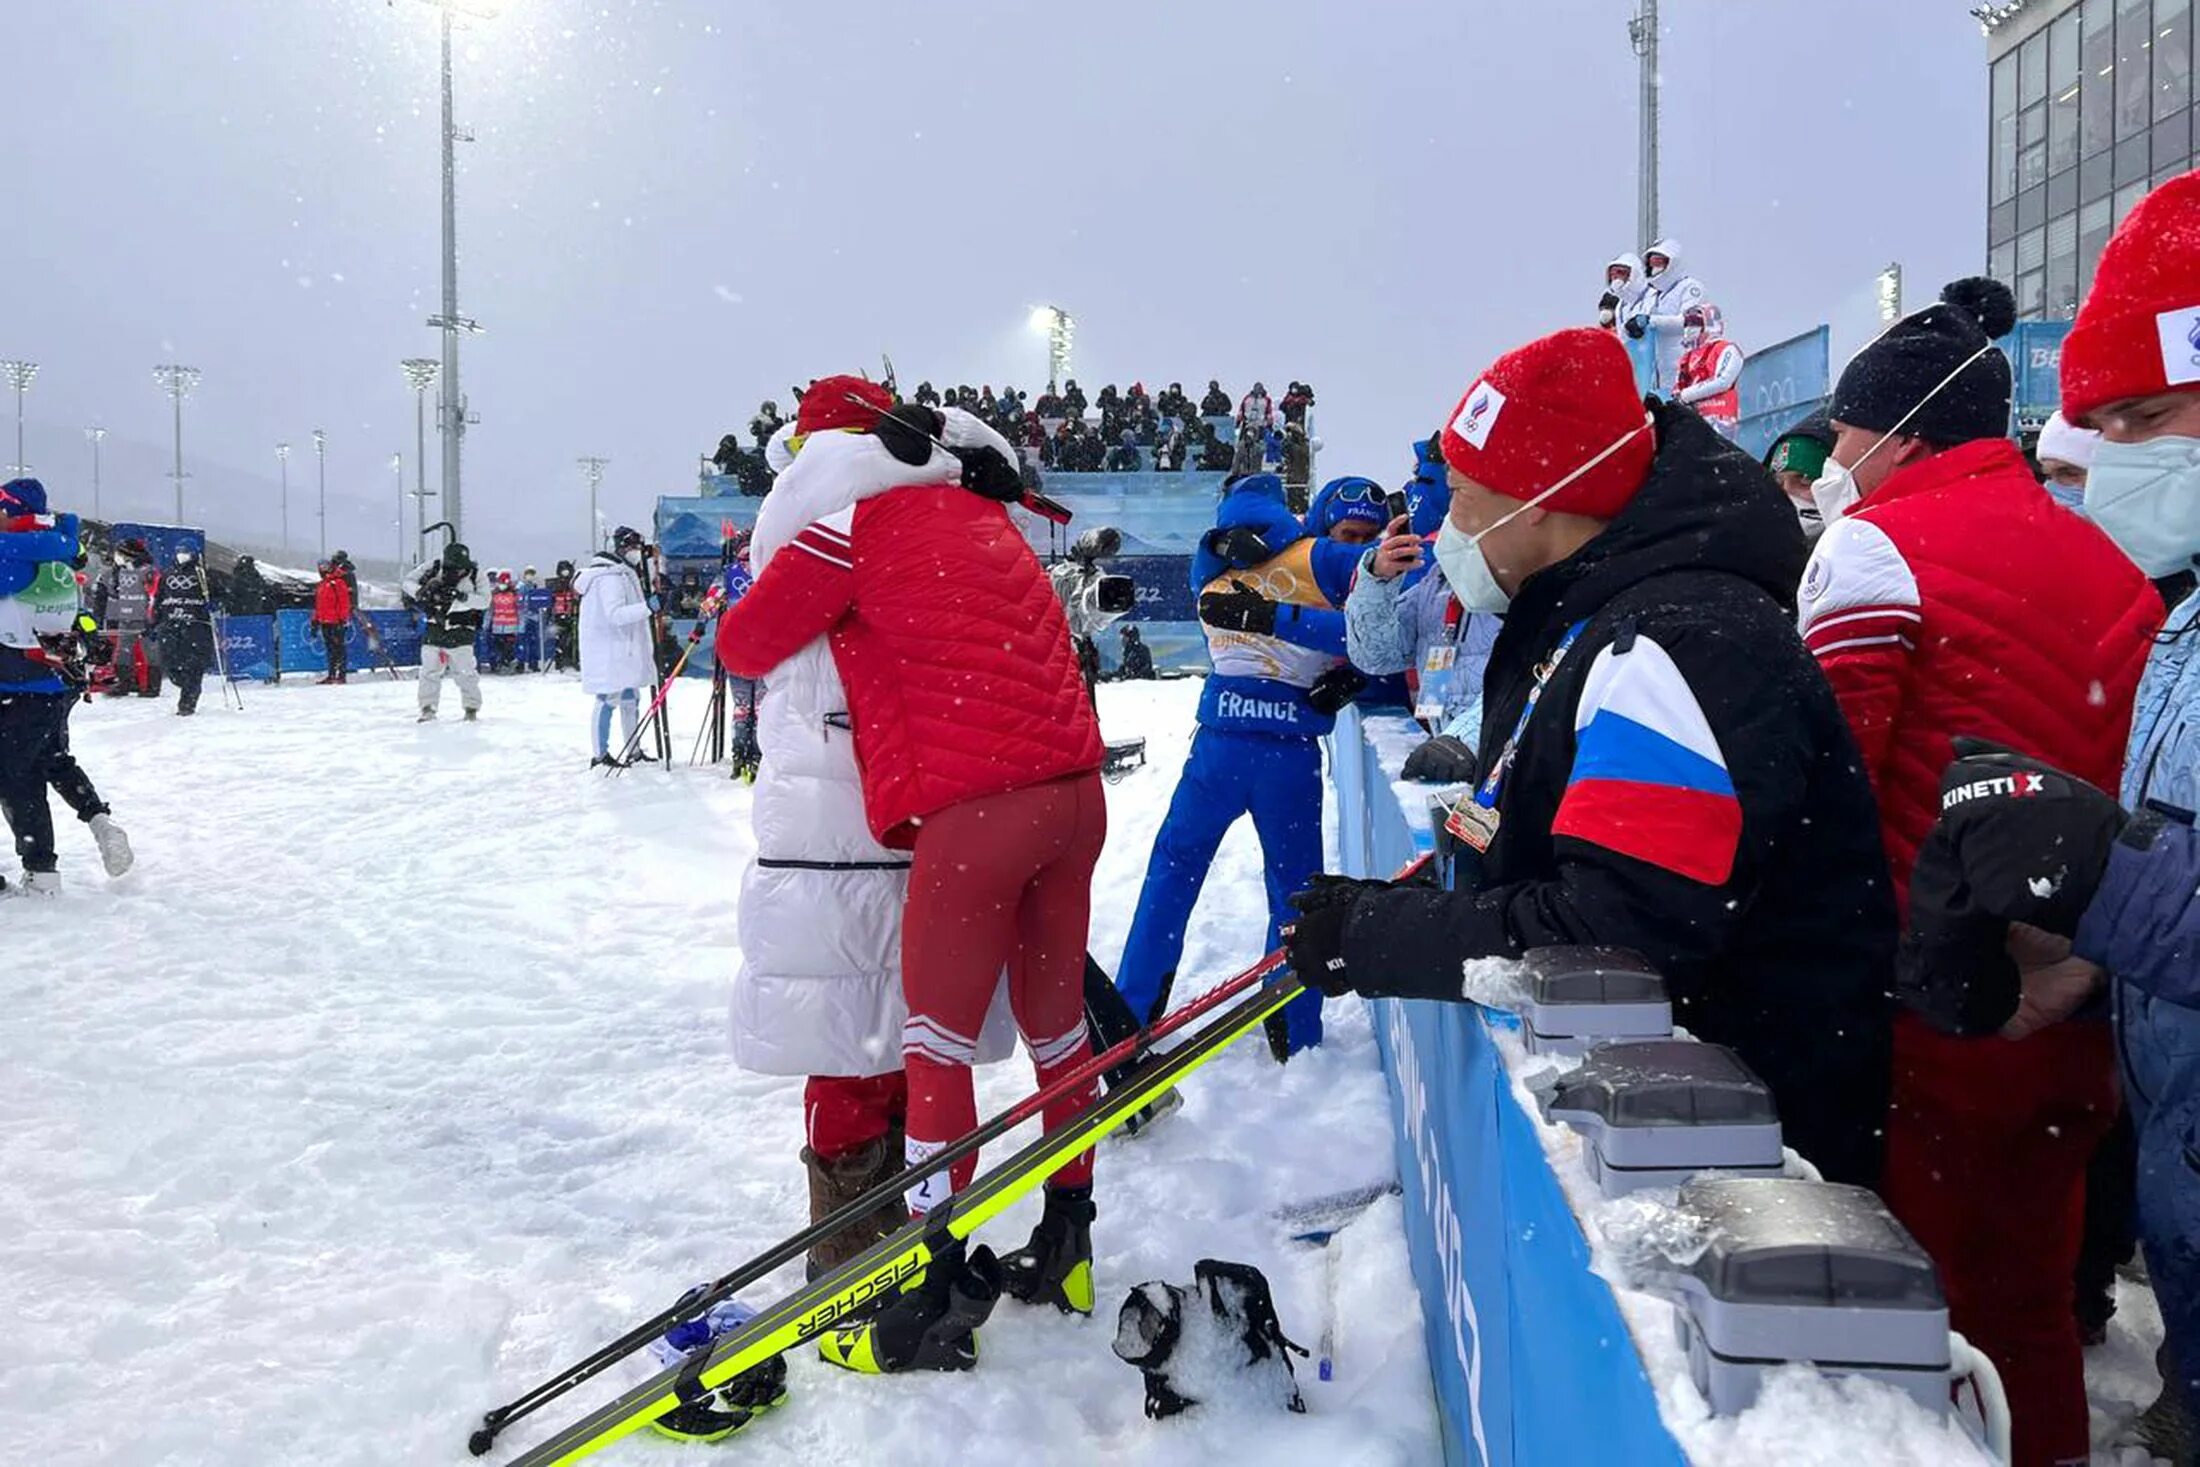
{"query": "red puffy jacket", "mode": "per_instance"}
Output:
(1960, 599)
(331, 601)
(955, 653)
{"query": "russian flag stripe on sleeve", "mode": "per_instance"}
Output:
(1649, 781)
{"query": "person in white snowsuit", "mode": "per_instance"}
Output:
(1662, 312)
(616, 662)
(1624, 286)
(818, 992)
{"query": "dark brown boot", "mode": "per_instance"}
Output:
(836, 1183)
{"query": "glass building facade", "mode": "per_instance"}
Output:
(2091, 105)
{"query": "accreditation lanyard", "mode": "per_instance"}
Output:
(1474, 818)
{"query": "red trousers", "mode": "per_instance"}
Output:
(1987, 1145)
(1004, 881)
(841, 1112)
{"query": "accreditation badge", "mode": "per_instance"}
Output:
(1472, 823)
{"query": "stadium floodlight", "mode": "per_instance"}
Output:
(320, 471)
(451, 415)
(282, 463)
(19, 376)
(420, 375)
(592, 471)
(177, 381)
(397, 468)
(1890, 294)
(1060, 329)
(93, 435)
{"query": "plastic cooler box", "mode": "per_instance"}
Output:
(1655, 1112)
(1580, 997)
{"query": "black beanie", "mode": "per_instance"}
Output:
(1891, 377)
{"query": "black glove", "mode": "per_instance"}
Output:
(1239, 547)
(1442, 760)
(1239, 609)
(1637, 326)
(1335, 688)
(1324, 891)
(1608, 302)
(986, 473)
(907, 431)
(1314, 945)
(2017, 841)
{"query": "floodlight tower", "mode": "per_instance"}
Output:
(282, 463)
(420, 374)
(1060, 329)
(177, 381)
(19, 376)
(592, 470)
(93, 435)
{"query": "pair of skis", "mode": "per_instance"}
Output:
(892, 1263)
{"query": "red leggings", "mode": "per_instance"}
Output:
(841, 1113)
(1004, 881)
(1987, 1145)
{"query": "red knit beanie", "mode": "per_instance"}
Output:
(2138, 333)
(1543, 411)
(841, 402)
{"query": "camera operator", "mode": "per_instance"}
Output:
(448, 593)
(1091, 598)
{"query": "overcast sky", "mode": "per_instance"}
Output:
(677, 207)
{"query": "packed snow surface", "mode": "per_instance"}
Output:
(395, 1077)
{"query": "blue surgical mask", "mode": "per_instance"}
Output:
(2146, 497)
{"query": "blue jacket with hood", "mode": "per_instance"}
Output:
(1260, 681)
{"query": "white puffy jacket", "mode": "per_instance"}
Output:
(818, 991)
(615, 652)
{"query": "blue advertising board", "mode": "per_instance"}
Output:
(1520, 1329)
(161, 540)
(302, 650)
(1783, 384)
(248, 646)
(2034, 350)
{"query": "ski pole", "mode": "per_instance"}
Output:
(1087, 1071)
(635, 742)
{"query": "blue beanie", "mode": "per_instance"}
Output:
(1333, 506)
(22, 496)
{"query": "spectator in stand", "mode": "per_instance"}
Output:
(1047, 405)
(1216, 404)
(1623, 288)
(1931, 516)
(1073, 399)
(1246, 456)
(332, 620)
(1256, 410)
(1665, 768)
(1169, 451)
(928, 395)
(1298, 465)
(1215, 456)
(504, 611)
(2066, 457)
(1125, 458)
(1296, 401)
(1661, 312)
(1172, 403)
(765, 423)
(987, 407)
(1710, 371)
(1137, 659)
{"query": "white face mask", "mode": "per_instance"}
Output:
(1460, 554)
(1835, 492)
(2146, 497)
(631, 557)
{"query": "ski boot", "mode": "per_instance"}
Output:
(933, 1325)
(605, 761)
(427, 715)
(38, 884)
(720, 1413)
(837, 1182)
(1055, 1267)
(114, 846)
(473, 715)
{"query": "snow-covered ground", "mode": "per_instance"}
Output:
(395, 1078)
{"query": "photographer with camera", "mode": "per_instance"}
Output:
(1091, 598)
(1269, 606)
(447, 591)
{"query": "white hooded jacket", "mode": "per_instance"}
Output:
(819, 987)
(1665, 304)
(615, 651)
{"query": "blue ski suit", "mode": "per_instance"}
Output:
(1256, 751)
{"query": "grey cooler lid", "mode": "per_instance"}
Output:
(1591, 975)
(1820, 1244)
(1665, 1082)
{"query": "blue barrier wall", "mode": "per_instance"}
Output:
(2034, 350)
(1531, 1363)
(1782, 385)
(161, 540)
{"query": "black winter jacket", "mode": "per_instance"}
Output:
(1776, 937)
